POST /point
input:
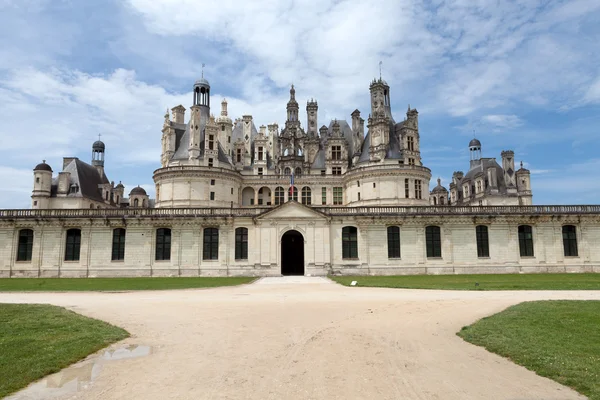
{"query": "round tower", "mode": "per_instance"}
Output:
(98, 148)
(475, 149)
(42, 186)
(138, 198)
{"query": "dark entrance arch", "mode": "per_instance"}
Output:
(292, 253)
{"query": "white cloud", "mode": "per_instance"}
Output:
(501, 121)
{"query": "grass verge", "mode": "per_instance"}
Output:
(37, 340)
(480, 282)
(557, 339)
(110, 284)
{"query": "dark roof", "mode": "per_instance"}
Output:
(43, 167)
(87, 178)
(138, 190)
(98, 145)
(439, 188)
(120, 185)
(474, 143)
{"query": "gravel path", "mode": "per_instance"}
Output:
(305, 339)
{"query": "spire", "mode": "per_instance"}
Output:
(224, 108)
(439, 182)
(292, 93)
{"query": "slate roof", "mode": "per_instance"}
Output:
(86, 177)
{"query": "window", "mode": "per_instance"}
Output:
(298, 171)
(336, 153)
(279, 195)
(417, 188)
(222, 128)
(358, 196)
(212, 182)
(336, 170)
(238, 157)
(73, 245)
(478, 186)
(433, 241)
(434, 201)
(163, 244)
(231, 190)
(323, 172)
(569, 233)
(287, 171)
(483, 244)
(411, 161)
(374, 185)
(35, 202)
(210, 162)
(260, 154)
(210, 250)
(211, 142)
(323, 196)
(337, 196)
(212, 195)
(349, 242)
(37, 180)
(411, 143)
(260, 171)
(393, 237)
(442, 201)
(358, 183)
(526, 241)
(118, 244)
(293, 193)
(406, 189)
(306, 196)
(241, 243)
(25, 246)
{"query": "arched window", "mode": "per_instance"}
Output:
(210, 250)
(92, 206)
(144, 203)
(287, 171)
(434, 201)
(136, 202)
(433, 241)
(279, 195)
(483, 244)
(25, 246)
(526, 241)
(73, 245)
(118, 244)
(569, 233)
(293, 193)
(163, 244)
(442, 201)
(306, 196)
(349, 242)
(298, 171)
(241, 243)
(393, 239)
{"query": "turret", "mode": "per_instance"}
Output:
(98, 156)
(311, 111)
(118, 194)
(211, 143)
(42, 186)
(524, 186)
(225, 130)
(292, 108)
(379, 127)
(138, 198)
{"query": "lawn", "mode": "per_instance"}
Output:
(37, 340)
(112, 284)
(480, 282)
(556, 339)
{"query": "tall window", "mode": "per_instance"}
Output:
(306, 195)
(417, 188)
(411, 143)
(526, 241)
(349, 242)
(569, 233)
(211, 142)
(118, 244)
(323, 196)
(279, 195)
(25, 247)
(298, 171)
(336, 152)
(337, 196)
(260, 154)
(241, 243)
(411, 161)
(406, 188)
(483, 244)
(287, 171)
(336, 170)
(73, 245)
(210, 250)
(163, 244)
(238, 156)
(479, 187)
(393, 237)
(433, 241)
(293, 193)
(136, 203)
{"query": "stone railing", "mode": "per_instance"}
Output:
(332, 211)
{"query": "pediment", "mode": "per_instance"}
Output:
(292, 210)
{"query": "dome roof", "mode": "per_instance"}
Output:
(119, 186)
(474, 143)
(201, 82)
(98, 145)
(138, 190)
(439, 188)
(43, 167)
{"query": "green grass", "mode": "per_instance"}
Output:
(485, 281)
(556, 339)
(37, 340)
(111, 284)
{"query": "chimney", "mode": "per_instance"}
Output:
(64, 182)
(178, 114)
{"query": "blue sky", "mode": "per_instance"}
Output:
(521, 75)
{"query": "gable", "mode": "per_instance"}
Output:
(291, 210)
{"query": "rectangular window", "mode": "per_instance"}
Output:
(411, 161)
(73, 245)
(433, 241)
(231, 190)
(260, 154)
(336, 153)
(210, 250)
(118, 244)
(163, 244)
(349, 242)
(406, 189)
(358, 183)
(358, 196)
(306, 196)
(393, 239)
(25, 246)
(323, 172)
(411, 143)
(211, 142)
(336, 170)
(239, 155)
(279, 195)
(323, 196)
(210, 162)
(569, 233)
(525, 241)
(260, 171)
(374, 185)
(417, 188)
(241, 244)
(337, 196)
(483, 245)
(212, 195)
(212, 182)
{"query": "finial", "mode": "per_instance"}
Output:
(409, 107)
(521, 164)
(203, 65)
(380, 62)
(99, 136)
(439, 182)
(44, 161)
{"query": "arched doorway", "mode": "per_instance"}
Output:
(292, 253)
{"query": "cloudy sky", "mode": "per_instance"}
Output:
(521, 75)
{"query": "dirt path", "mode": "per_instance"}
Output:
(313, 340)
